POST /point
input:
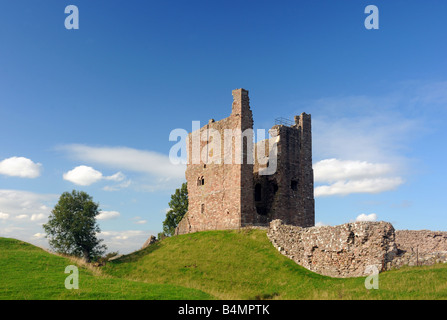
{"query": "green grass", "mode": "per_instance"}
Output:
(206, 265)
(244, 265)
(28, 272)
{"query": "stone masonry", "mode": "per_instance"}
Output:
(341, 251)
(422, 241)
(348, 250)
(224, 195)
(420, 247)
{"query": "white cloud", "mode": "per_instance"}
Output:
(39, 235)
(330, 170)
(85, 176)
(4, 216)
(38, 216)
(152, 171)
(23, 204)
(119, 186)
(108, 215)
(343, 177)
(20, 167)
(124, 158)
(366, 217)
(375, 185)
(119, 176)
(139, 220)
(26, 211)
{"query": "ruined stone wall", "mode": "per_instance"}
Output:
(422, 241)
(420, 247)
(347, 250)
(341, 251)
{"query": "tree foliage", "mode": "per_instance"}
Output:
(178, 208)
(72, 227)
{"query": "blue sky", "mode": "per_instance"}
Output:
(96, 105)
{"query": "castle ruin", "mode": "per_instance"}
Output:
(235, 194)
(274, 189)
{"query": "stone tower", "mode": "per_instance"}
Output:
(287, 194)
(227, 188)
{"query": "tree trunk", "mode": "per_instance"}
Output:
(86, 256)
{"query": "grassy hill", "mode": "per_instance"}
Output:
(28, 272)
(244, 265)
(205, 265)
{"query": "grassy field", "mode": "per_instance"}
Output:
(28, 272)
(244, 265)
(206, 265)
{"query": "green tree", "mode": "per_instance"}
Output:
(178, 208)
(72, 226)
